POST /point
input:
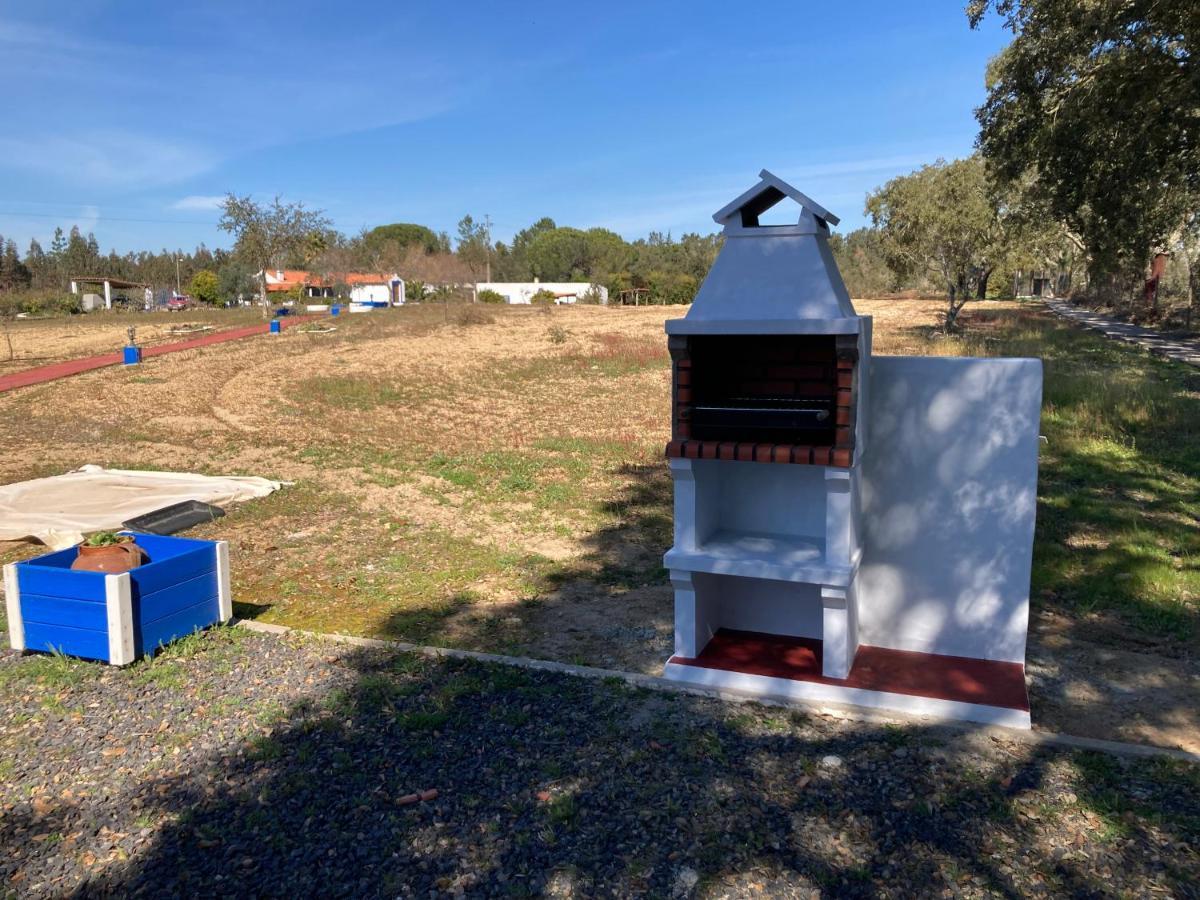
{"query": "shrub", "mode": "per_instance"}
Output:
(592, 295)
(557, 334)
(543, 296)
(490, 296)
(40, 303)
(415, 291)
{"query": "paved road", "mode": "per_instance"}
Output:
(1184, 348)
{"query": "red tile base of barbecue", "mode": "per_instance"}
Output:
(954, 678)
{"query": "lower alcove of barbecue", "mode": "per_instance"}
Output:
(788, 667)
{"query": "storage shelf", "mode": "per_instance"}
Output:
(778, 557)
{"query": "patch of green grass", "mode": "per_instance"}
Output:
(53, 671)
(423, 720)
(265, 747)
(563, 809)
(358, 393)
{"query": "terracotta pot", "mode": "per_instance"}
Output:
(113, 559)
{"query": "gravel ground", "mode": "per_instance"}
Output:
(248, 764)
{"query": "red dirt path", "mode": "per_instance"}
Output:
(54, 371)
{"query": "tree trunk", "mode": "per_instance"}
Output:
(981, 290)
(1193, 292)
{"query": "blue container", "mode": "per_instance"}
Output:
(133, 356)
(335, 310)
(116, 618)
(275, 326)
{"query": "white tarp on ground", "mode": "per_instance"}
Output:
(61, 509)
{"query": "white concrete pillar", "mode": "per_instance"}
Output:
(693, 625)
(839, 631)
(74, 287)
(107, 295)
(838, 531)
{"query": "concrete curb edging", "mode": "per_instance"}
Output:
(658, 683)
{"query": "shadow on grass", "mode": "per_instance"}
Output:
(548, 783)
(609, 606)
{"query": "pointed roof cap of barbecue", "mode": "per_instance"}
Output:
(769, 191)
(772, 279)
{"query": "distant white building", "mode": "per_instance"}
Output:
(523, 291)
(370, 288)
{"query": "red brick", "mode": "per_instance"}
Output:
(844, 415)
(683, 395)
(845, 397)
(820, 456)
(727, 451)
(762, 452)
(843, 436)
(683, 378)
(841, 457)
(781, 453)
(691, 449)
(802, 454)
(708, 449)
(845, 378)
(844, 364)
(683, 363)
(675, 450)
(745, 452)
(683, 430)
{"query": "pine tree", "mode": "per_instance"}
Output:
(37, 264)
(58, 246)
(13, 274)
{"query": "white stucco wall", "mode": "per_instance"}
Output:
(522, 291)
(948, 505)
(370, 293)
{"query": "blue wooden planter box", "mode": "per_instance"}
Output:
(117, 618)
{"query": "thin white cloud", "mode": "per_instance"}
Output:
(199, 202)
(112, 159)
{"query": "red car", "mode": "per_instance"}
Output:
(177, 303)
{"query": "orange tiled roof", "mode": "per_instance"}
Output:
(293, 278)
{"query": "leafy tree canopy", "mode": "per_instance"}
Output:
(942, 221)
(205, 286)
(404, 235)
(1099, 104)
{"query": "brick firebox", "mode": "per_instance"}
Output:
(781, 398)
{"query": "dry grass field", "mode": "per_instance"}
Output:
(493, 479)
(41, 341)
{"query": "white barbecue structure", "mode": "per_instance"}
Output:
(848, 528)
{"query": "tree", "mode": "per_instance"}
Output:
(941, 220)
(234, 282)
(863, 263)
(205, 286)
(266, 234)
(37, 264)
(559, 254)
(403, 235)
(1099, 104)
(13, 273)
(475, 246)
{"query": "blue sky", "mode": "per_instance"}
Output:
(131, 119)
